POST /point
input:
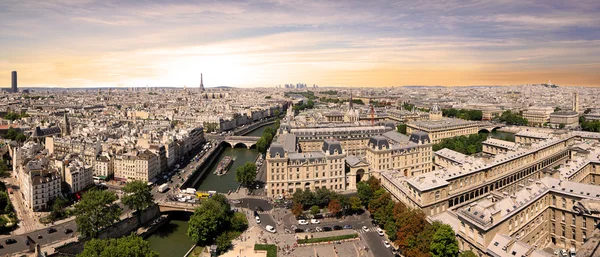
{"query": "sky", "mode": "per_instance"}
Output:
(243, 43)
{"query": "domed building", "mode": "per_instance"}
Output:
(435, 113)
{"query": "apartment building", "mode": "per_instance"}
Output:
(411, 156)
(473, 177)
(289, 170)
(439, 127)
(78, 175)
(352, 137)
(136, 165)
(39, 181)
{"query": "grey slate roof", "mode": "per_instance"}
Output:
(420, 136)
(331, 146)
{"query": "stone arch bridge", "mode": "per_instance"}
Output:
(489, 127)
(247, 141)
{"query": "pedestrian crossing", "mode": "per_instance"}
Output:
(265, 212)
(369, 230)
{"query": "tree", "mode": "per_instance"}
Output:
(355, 203)
(239, 222)
(261, 145)
(95, 211)
(58, 208)
(444, 242)
(246, 174)
(334, 207)
(561, 126)
(467, 253)
(322, 196)
(137, 195)
(223, 243)
(365, 193)
(276, 113)
(409, 226)
(314, 210)
(390, 228)
(208, 220)
(310, 104)
(401, 128)
(297, 209)
(557, 108)
(374, 183)
(132, 246)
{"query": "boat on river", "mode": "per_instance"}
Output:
(223, 166)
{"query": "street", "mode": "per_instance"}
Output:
(283, 219)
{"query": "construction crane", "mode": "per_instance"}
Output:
(372, 115)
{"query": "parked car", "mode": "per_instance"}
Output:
(1, 246)
(255, 214)
(327, 229)
(298, 230)
(364, 228)
(10, 241)
(347, 226)
(315, 221)
(235, 201)
(336, 227)
(318, 229)
(271, 229)
(302, 222)
(68, 230)
(257, 219)
(380, 231)
(386, 244)
(51, 230)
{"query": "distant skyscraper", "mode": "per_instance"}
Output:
(14, 82)
(201, 83)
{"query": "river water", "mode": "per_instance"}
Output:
(171, 239)
(507, 136)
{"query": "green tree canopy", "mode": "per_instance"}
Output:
(137, 195)
(95, 211)
(355, 203)
(261, 145)
(246, 174)
(444, 242)
(314, 210)
(365, 193)
(131, 246)
(210, 218)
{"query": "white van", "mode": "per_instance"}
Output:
(257, 219)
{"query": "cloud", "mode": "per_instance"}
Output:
(250, 43)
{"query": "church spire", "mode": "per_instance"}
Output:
(351, 105)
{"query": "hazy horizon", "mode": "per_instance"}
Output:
(89, 43)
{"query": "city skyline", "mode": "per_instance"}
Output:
(86, 43)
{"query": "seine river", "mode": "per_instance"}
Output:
(171, 239)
